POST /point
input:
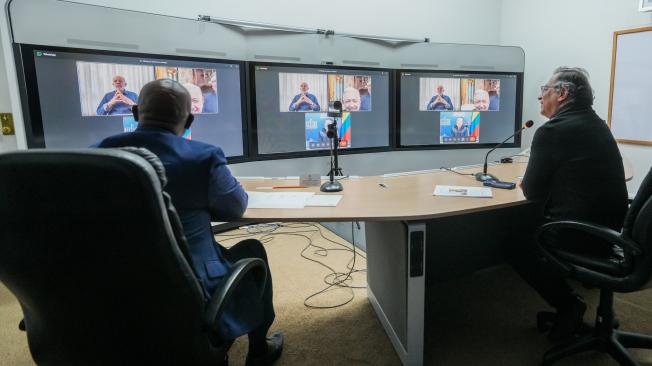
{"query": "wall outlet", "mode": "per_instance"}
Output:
(7, 124)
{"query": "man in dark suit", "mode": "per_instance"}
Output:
(203, 190)
(576, 172)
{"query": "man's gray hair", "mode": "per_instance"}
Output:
(576, 81)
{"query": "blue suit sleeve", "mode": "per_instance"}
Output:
(450, 103)
(100, 108)
(227, 200)
(430, 106)
(315, 107)
(294, 100)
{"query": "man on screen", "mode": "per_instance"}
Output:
(351, 99)
(304, 101)
(118, 101)
(440, 101)
(460, 129)
(210, 96)
(481, 100)
(203, 190)
(575, 172)
(196, 98)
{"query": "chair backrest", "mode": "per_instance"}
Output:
(638, 227)
(94, 253)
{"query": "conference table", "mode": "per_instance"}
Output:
(415, 239)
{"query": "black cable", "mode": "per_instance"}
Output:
(332, 279)
(451, 170)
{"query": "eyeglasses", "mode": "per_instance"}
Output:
(544, 87)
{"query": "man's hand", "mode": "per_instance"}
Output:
(114, 100)
(125, 99)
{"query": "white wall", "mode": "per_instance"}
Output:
(572, 33)
(448, 21)
(6, 142)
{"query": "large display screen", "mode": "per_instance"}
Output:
(79, 97)
(292, 104)
(458, 108)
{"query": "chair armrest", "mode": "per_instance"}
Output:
(222, 294)
(598, 231)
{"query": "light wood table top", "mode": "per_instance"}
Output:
(406, 197)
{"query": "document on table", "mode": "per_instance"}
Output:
(278, 199)
(324, 200)
(460, 191)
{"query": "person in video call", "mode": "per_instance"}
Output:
(118, 101)
(440, 101)
(481, 100)
(350, 99)
(365, 98)
(304, 101)
(575, 172)
(196, 97)
(210, 96)
(460, 129)
(203, 190)
(494, 97)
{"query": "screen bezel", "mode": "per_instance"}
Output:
(517, 117)
(253, 120)
(30, 98)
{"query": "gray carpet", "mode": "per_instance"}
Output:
(482, 319)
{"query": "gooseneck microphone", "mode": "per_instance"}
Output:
(484, 176)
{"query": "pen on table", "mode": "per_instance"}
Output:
(280, 187)
(383, 185)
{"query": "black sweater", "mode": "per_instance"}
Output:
(576, 169)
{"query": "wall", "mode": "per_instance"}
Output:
(6, 142)
(412, 18)
(572, 33)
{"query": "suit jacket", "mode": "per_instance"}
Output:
(576, 170)
(202, 190)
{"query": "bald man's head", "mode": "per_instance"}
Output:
(166, 104)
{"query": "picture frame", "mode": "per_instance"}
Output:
(645, 5)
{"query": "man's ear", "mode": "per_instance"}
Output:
(189, 121)
(563, 94)
(134, 111)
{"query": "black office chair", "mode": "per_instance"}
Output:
(95, 253)
(628, 270)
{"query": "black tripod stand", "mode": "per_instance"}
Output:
(332, 185)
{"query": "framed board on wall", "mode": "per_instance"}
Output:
(630, 97)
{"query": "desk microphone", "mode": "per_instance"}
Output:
(484, 176)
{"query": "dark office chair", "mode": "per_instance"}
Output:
(95, 253)
(628, 270)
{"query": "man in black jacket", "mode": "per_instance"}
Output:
(576, 172)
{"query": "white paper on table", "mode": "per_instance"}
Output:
(461, 191)
(278, 199)
(326, 200)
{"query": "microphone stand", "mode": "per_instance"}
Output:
(332, 185)
(484, 176)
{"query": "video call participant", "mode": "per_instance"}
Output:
(118, 101)
(460, 129)
(440, 101)
(351, 99)
(481, 100)
(494, 97)
(210, 96)
(203, 189)
(365, 98)
(576, 172)
(196, 97)
(304, 101)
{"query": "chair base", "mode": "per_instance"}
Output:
(603, 338)
(616, 346)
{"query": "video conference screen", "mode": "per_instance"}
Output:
(292, 105)
(85, 96)
(457, 108)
